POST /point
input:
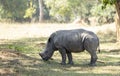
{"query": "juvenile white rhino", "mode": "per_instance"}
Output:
(67, 41)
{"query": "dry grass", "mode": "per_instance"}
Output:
(16, 31)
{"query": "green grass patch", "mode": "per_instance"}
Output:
(25, 45)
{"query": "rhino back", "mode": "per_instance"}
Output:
(71, 40)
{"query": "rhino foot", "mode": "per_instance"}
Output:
(70, 63)
(92, 65)
(62, 63)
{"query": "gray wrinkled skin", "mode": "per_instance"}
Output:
(67, 41)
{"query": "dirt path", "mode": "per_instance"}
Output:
(15, 31)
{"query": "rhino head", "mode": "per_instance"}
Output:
(49, 50)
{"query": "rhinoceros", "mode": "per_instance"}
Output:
(68, 41)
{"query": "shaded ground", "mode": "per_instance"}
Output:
(19, 57)
(13, 63)
(17, 64)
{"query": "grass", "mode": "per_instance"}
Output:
(20, 57)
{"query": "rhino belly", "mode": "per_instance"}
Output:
(75, 47)
(76, 50)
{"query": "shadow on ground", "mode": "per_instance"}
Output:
(17, 64)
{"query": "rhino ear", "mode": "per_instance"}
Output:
(49, 40)
(40, 54)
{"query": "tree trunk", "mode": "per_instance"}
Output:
(117, 4)
(41, 10)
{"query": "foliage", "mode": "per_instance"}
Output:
(105, 11)
(30, 10)
(107, 2)
(97, 10)
(104, 15)
(65, 10)
(16, 10)
(13, 9)
(56, 10)
(69, 10)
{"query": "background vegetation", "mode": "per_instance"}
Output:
(55, 10)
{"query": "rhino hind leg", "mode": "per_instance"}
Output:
(93, 55)
(91, 47)
(93, 59)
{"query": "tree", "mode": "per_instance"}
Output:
(13, 9)
(41, 14)
(117, 4)
(30, 10)
(105, 15)
(117, 19)
(16, 10)
(68, 10)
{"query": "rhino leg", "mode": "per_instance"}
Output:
(63, 54)
(91, 47)
(70, 61)
(93, 59)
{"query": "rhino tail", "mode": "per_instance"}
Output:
(98, 46)
(98, 49)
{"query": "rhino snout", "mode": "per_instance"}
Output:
(43, 56)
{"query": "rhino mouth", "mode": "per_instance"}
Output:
(45, 59)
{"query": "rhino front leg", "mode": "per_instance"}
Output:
(63, 54)
(70, 60)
